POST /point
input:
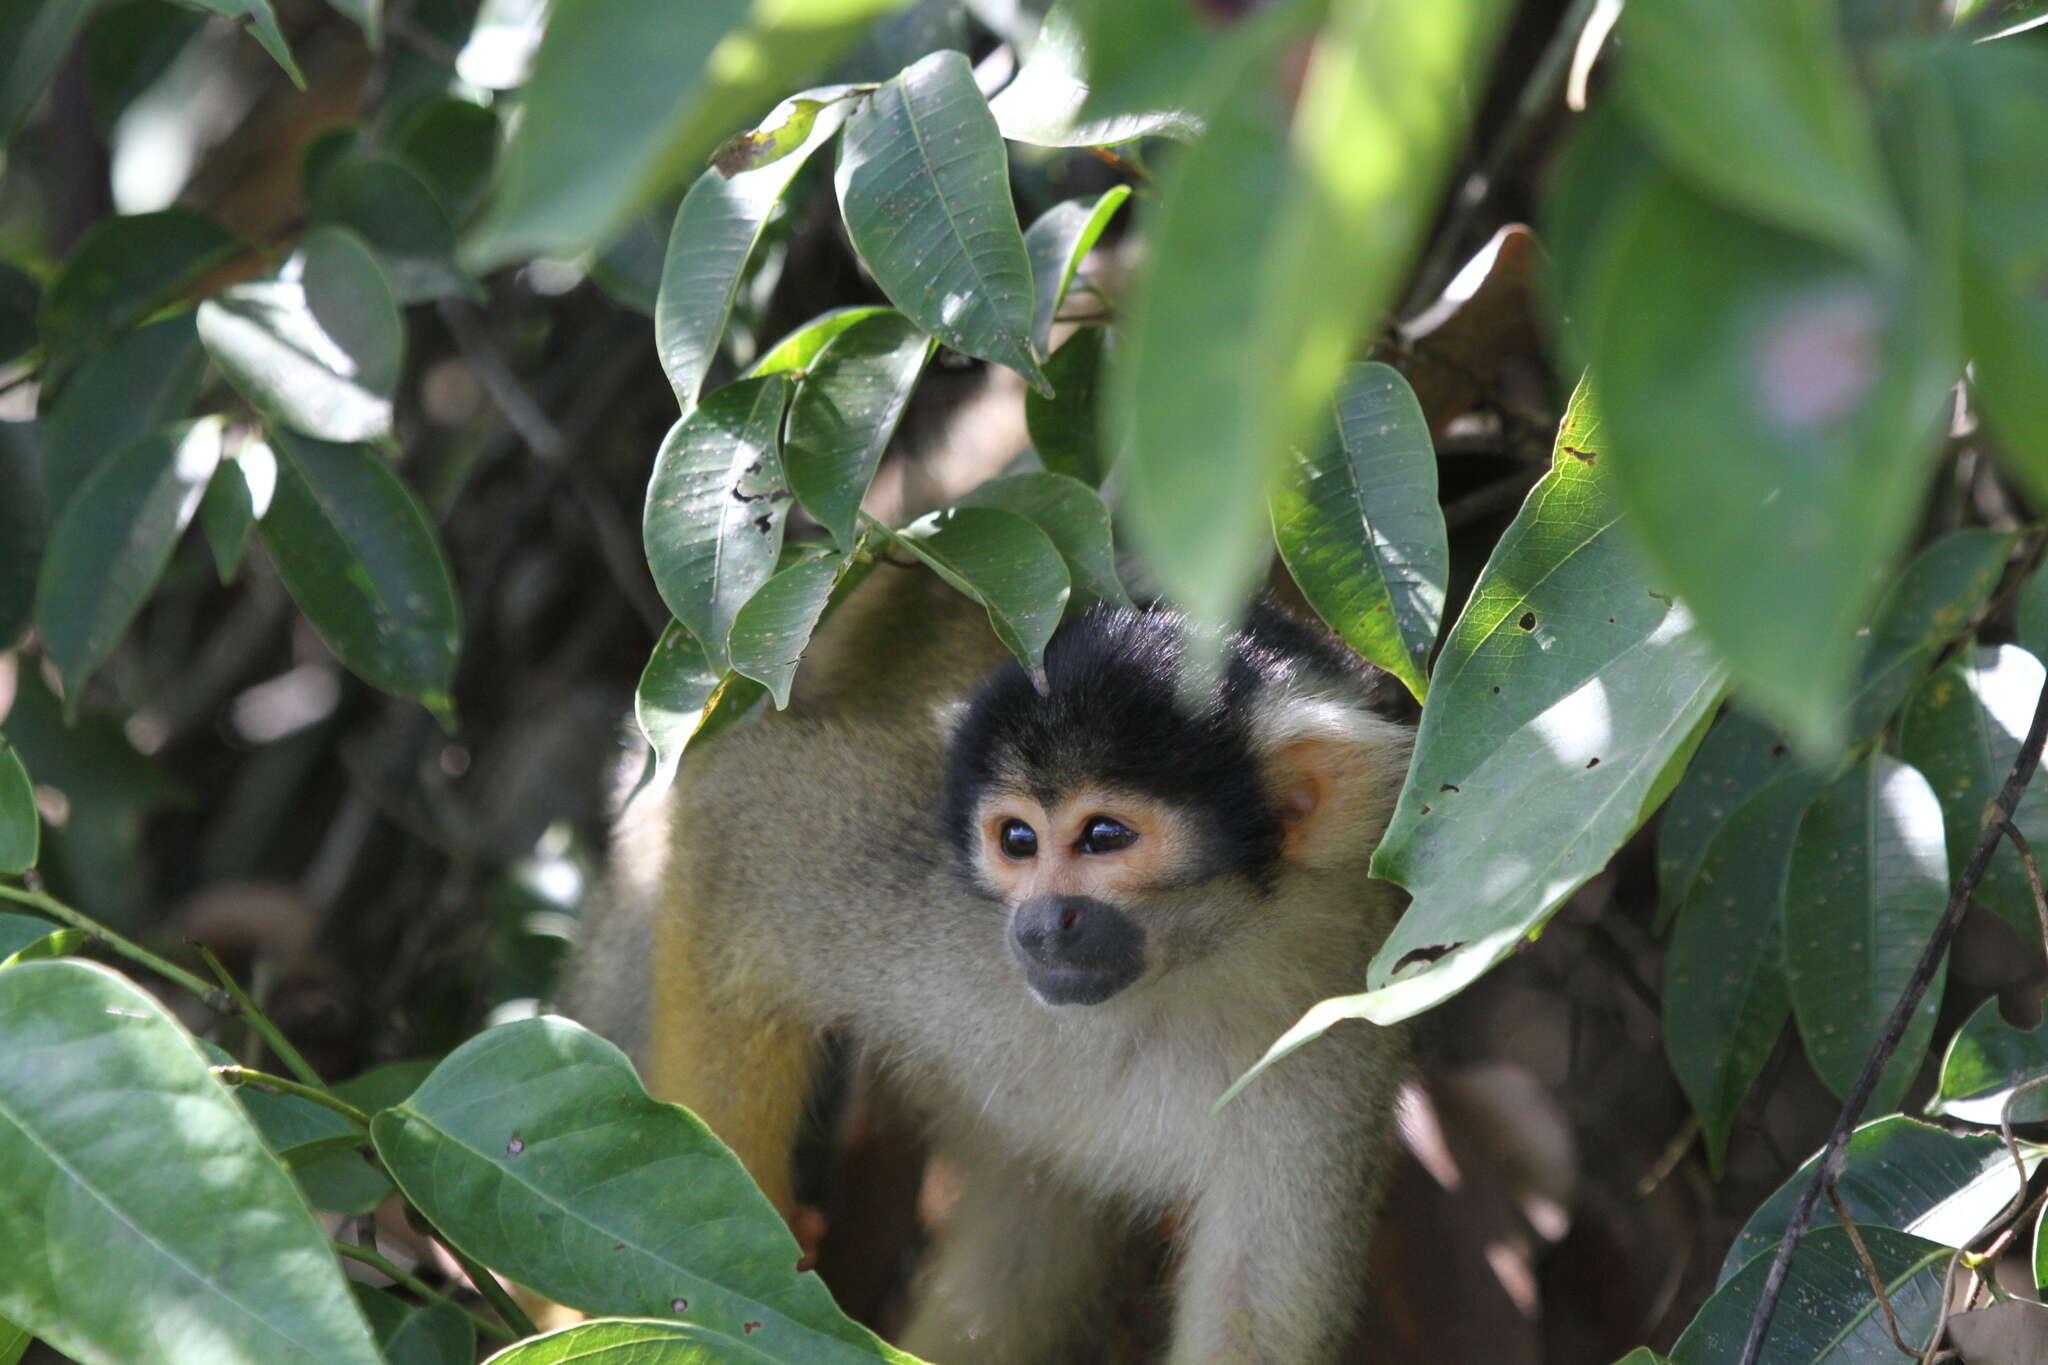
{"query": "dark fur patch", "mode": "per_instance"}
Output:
(1113, 712)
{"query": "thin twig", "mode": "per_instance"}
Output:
(398, 1274)
(212, 997)
(1830, 1163)
(1948, 1287)
(1884, 1298)
(2012, 1143)
(494, 1293)
(267, 1031)
(2033, 871)
(234, 1073)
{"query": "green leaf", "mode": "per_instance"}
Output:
(534, 1148)
(398, 215)
(368, 15)
(359, 556)
(124, 269)
(1643, 1355)
(715, 232)
(452, 144)
(2033, 613)
(21, 829)
(143, 381)
(24, 525)
(237, 498)
(1782, 395)
(1725, 997)
(1898, 1173)
(629, 270)
(129, 46)
(1056, 244)
(1005, 563)
(1757, 102)
(674, 689)
(13, 1342)
(1066, 428)
(1962, 729)
(1042, 105)
(1868, 882)
(797, 350)
(716, 507)
(34, 37)
(342, 1182)
(318, 349)
(1921, 615)
(1073, 517)
(1986, 1061)
(418, 1333)
(112, 542)
(844, 412)
(1739, 757)
(781, 133)
(20, 931)
(924, 186)
(113, 1097)
(20, 297)
(261, 21)
(1827, 1315)
(1142, 55)
(771, 630)
(628, 97)
(633, 1341)
(1359, 528)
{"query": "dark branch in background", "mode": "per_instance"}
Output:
(1996, 822)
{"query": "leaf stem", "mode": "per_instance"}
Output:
(494, 1293)
(234, 1073)
(259, 1021)
(212, 996)
(400, 1275)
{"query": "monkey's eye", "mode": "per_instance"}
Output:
(1018, 840)
(1103, 835)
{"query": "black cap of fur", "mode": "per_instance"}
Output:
(1113, 713)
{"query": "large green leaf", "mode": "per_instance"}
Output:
(418, 1333)
(128, 1164)
(852, 396)
(1003, 562)
(124, 269)
(797, 350)
(1827, 1314)
(1139, 56)
(924, 186)
(1739, 757)
(535, 1150)
(21, 830)
(1921, 615)
(1042, 104)
(1986, 1061)
(1963, 729)
(1868, 882)
(1776, 392)
(628, 97)
(13, 1342)
(1756, 101)
(359, 556)
(1359, 528)
(24, 525)
(1056, 244)
(771, 630)
(1898, 1173)
(1066, 429)
(714, 234)
(716, 506)
(635, 1341)
(111, 544)
(34, 36)
(396, 212)
(1725, 998)
(674, 687)
(318, 349)
(143, 381)
(1073, 516)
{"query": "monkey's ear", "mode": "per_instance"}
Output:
(1334, 788)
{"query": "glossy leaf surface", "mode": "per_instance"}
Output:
(1986, 1061)
(1043, 104)
(1073, 517)
(845, 410)
(1003, 562)
(771, 630)
(1922, 613)
(1066, 429)
(1828, 1314)
(1739, 757)
(1056, 243)
(637, 1341)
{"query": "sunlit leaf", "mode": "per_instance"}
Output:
(1986, 1061)
(1056, 244)
(633, 1341)
(1003, 562)
(797, 350)
(1043, 103)
(1921, 615)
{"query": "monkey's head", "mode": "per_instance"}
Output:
(1129, 832)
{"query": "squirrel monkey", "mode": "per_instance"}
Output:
(1064, 923)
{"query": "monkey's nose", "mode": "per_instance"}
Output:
(1076, 950)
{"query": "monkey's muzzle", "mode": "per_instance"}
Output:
(1076, 950)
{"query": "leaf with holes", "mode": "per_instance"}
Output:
(845, 410)
(1003, 562)
(1073, 516)
(1056, 244)
(1986, 1061)
(924, 186)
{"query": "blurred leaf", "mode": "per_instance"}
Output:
(2033, 612)
(669, 702)
(635, 1341)
(451, 144)
(715, 232)
(120, 1096)
(541, 1124)
(143, 381)
(327, 150)
(20, 827)
(1043, 103)
(1643, 1355)
(368, 15)
(382, 1087)
(34, 36)
(1986, 1061)
(1899, 1173)
(1740, 756)
(319, 349)
(129, 47)
(1868, 882)
(1005, 563)
(20, 296)
(1725, 997)
(124, 269)
(342, 1182)
(1359, 528)
(797, 350)
(261, 21)
(24, 525)
(629, 96)
(1056, 244)
(13, 1341)
(1066, 428)
(924, 186)
(845, 410)
(716, 507)
(1777, 392)
(20, 931)
(771, 630)
(112, 542)
(1756, 102)
(629, 270)
(237, 498)
(1921, 614)
(1828, 1315)
(418, 1333)
(60, 943)
(1140, 56)
(1073, 518)
(396, 213)
(1962, 729)
(360, 558)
